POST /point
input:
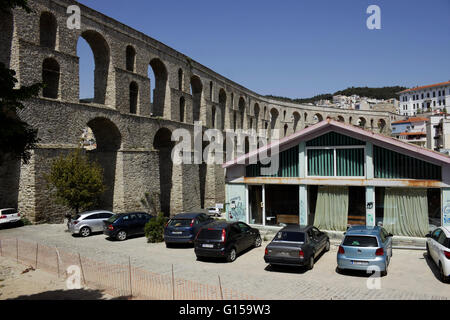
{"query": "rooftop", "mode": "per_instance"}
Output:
(426, 87)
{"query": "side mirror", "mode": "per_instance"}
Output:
(428, 235)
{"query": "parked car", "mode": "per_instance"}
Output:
(364, 247)
(225, 240)
(183, 227)
(438, 249)
(215, 212)
(296, 245)
(9, 216)
(88, 222)
(121, 226)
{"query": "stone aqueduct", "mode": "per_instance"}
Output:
(132, 134)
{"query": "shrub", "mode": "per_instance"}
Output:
(25, 221)
(154, 229)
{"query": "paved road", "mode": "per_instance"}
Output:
(411, 274)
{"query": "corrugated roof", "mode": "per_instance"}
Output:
(412, 119)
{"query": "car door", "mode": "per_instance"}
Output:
(440, 247)
(93, 222)
(248, 237)
(237, 237)
(320, 238)
(98, 222)
(387, 242)
(312, 242)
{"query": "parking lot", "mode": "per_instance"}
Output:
(411, 275)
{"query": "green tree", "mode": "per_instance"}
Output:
(77, 183)
(154, 229)
(17, 138)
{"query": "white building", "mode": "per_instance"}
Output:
(434, 97)
(438, 133)
(412, 130)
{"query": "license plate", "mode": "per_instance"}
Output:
(176, 232)
(360, 263)
(283, 253)
(207, 245)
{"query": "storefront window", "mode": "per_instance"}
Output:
(409, 212)
(282, 204)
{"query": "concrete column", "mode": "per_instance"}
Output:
(370, 206)
(303, 205)
(302, 159)
(264, 204)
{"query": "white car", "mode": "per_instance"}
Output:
(9, 216)
(438, 248)
(215, 212)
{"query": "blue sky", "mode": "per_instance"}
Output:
(297, 48)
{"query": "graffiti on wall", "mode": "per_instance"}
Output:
(446, 215)
(237, 209)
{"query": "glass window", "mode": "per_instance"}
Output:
(360, 241)
(435, 235)
(92, 217)
(243, 227)
(179, 223)
(215, 234)
(442, 239)
(290, 236)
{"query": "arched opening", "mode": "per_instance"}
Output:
(158, 82)
(350, 120)
(93, 76)
(196, 92)
(180, 79)
(134, 94)
(371, 124)
(381, 125)
(211, 87)
(241, 105)
(285, 130)
(296, 117)
(317, 118)
(48, 29)
(234, 120)
(341, 119)
(256, 113)
(101, 140)
(362, 122)
(284, 115)
(273, 118)
(50, 77)
(182, 107)
(131, 58)
(6, 36)
(305, 117)
(222, 107)
(163, 143)
(213, 117)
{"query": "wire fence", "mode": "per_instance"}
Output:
(115, 280)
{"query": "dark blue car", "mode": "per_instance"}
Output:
(183, 227)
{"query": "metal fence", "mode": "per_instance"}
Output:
(115, 280)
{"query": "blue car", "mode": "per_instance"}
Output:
(183, 227)
(365, 248)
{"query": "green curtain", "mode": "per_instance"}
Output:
(332, 208)
(406, 212)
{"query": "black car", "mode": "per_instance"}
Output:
(183, 227)
(223, 239)
(121, 226)
(296, 245)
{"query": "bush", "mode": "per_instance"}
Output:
(154, 229)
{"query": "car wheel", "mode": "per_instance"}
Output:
(311, 262)
(385, 272)
(327, 246)
(258, 241)
(85, 232)
(444, 278)
(232, 255)
(121, 235)
(168, 245)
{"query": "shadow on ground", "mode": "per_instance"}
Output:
(292, 269)
(75, 294)
(434, 268)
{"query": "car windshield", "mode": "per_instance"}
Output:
(360, 241)
(179, 223)
(290, 236)
(210, 234)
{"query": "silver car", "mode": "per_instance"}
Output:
(88, 222)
